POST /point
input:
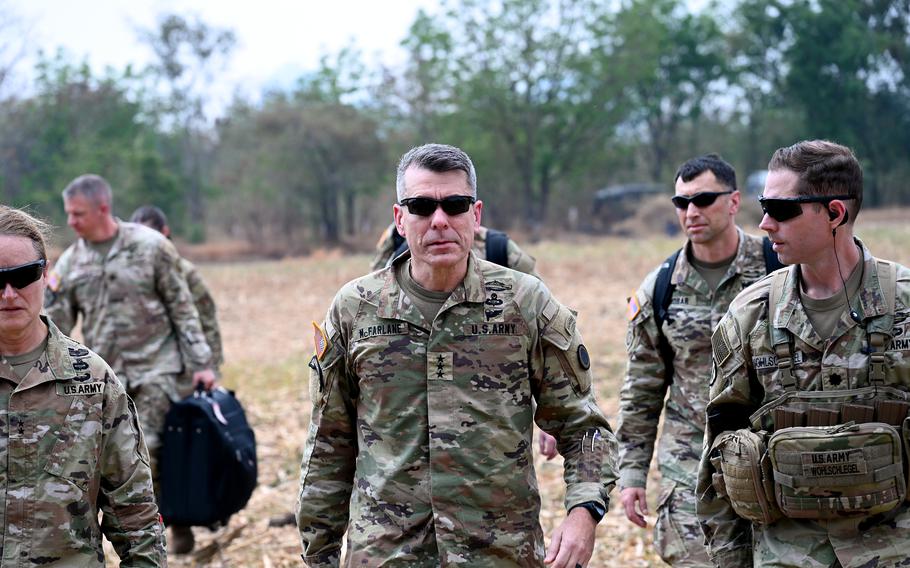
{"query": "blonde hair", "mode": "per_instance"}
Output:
(17, 223)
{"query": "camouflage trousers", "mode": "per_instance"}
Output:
(820, 544)
(677, 535)
(152, 403)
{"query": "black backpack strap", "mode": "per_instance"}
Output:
(663, 295)
(497, 247)
(772, 263)
(400, 245)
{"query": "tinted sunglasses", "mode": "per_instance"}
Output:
(785, 208)
(426, 206)
(21, 276)
(700, 199)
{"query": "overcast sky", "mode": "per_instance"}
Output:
(276, 40)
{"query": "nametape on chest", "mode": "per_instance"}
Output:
(380, 329)
(834, 463)
(681, 300)
(491, 328)
(766, 362)
(80, 389)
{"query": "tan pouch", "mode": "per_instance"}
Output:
(850, 470)
(744, 475)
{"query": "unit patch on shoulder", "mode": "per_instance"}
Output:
(721, 346)
(634, 306)
(53, 281)
(583, 358)
(320, 341)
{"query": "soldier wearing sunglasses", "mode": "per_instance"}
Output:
(671, 317)
(124, 281)
(423, 382)
(70, 438)
(833, 324)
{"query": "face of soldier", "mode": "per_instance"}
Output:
(87, 218)
(439, 241)
(804, 239)
(19, 307)
(704, 225)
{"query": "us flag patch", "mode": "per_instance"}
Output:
(320, 341)
(634, 306)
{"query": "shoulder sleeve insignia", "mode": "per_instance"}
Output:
(54, 281)
(320, 340)
(634, 306)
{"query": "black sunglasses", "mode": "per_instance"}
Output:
(700, 199)
(426, 206)
(785, 208)
(21, 276)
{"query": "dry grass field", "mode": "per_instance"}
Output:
(265, 311)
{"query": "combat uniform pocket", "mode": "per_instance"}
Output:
(560, 332)
(76, 453)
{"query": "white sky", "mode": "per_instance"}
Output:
(276, 40)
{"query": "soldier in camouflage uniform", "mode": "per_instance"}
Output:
(70, 440)
(830, 298)
(154, 218)
(137, 312)
(422, 385)
(517, 259)
(718, 261)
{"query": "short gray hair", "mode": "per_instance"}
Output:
(91, 186)
(438, 158)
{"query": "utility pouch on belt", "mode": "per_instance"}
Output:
(744, 475)
(848, 470)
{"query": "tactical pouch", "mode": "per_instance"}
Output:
(850, 470)
(744, 475)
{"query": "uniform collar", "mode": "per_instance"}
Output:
(391, 302)
(790, 314)
(686, 273)
(60, 362)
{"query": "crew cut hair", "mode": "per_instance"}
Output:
(91, 186)
(694, 167)
(438, 158)
(824, 168)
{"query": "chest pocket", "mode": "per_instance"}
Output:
(76, 453)
(85, 281)
(385, 351)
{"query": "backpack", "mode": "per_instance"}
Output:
(207, 461)
(496, 246)
(663, 295)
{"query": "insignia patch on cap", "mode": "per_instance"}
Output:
(53, 281)
(634, 306)
(320, 341)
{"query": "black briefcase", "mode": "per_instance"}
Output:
(207, 461)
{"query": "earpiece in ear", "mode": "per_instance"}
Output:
(832, 214)
(845, 219)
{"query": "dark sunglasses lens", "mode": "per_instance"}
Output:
(781, 209)
(422, 206)
(456, 205)
(21, 277)
(699, 199)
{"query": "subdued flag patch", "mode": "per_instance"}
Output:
(634, 306)
(320, 341)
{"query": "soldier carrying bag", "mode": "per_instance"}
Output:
(208, 460)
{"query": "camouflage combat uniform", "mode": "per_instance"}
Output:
(70, 445)
(692, 315)
(137, 313)
(208, 318)
(746, 376)
(420, 439)
(518, 259)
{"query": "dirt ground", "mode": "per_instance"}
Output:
(266, 308)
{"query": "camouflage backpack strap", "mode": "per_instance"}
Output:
(781, 338)
(880, 328)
